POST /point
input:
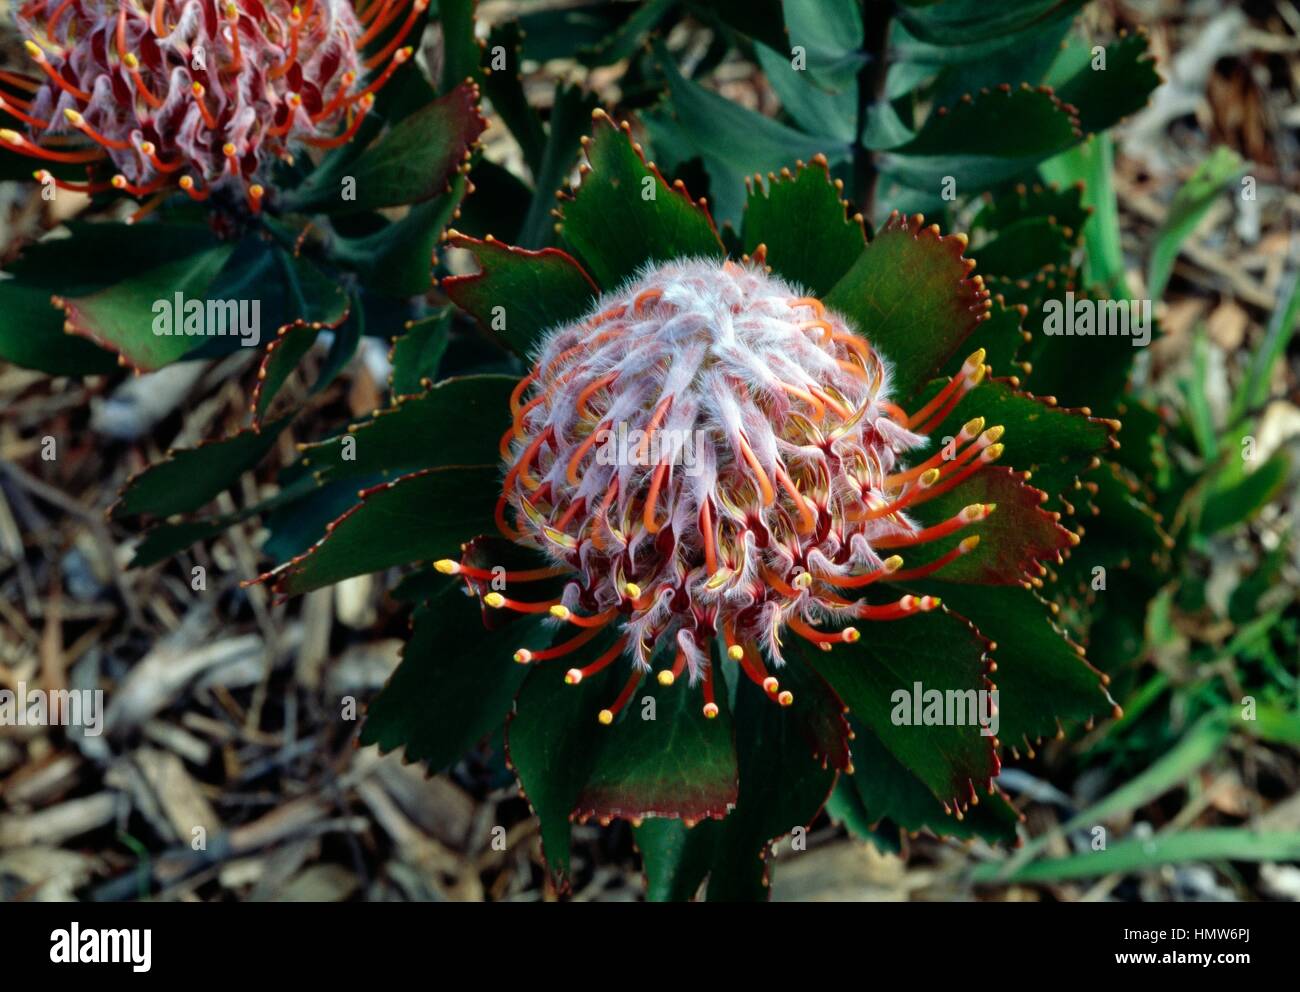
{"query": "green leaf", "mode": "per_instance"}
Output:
(1226, 506)
(845, 808)
(624, 214)
(983, 141)
(417, 354)
(1214, 844)
(1093, 163)
(810, 238)
(518, 295)
(418, 517)
(413, 161)
(1062, 206)
(457, 422)
(1054, 442)
(1012, 540)
(909, 295)
(397, 260)
(505, 88)
(675, 858)
(455, 683)
(1023, 248)
(32, 335)
(676, 764)
(1103, 97)
(1042, 678)
(885, 789)
(782, 787)
(123, 317)
(551, 739)
(570, 118)
(1189, 206)
(1254, 390)
(460, 49)
(762, 20)
(941, 652)
(188, 479)
(967, 22)
(734, 141)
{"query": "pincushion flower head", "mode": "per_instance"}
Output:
(797, 498)
(203, 95)
(740, 498)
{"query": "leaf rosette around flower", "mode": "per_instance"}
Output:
(682, 646)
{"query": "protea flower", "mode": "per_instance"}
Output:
(198, 94)
(713, 452)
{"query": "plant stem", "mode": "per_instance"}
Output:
(871, 84)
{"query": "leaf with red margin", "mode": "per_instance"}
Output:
(782, 787)
(1042, 676)
(551, 740)
(421, 516)
(189, 478)
(1015, 536)
(282, 355)
(121, 317)
(614, 227)
(517, 295)
(411, 162)
(819, 715)
(459, 421)
(455, 683)
(937, 649)
(911, 295)
(678, 764)
(811, 239)
(1054, 443)
(887, 789)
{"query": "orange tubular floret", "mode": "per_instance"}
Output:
(254, 194)
(34, 50)
(966, 516)
(970, 431)
(652, 497)
(809, 301)
(21, 144)
(891, 565)
(942, 404)
(79, 122)
(598, 620)
(821, 638)
(295, 28)
(386, 11)
(148, 150)
(339, 98)
(566, 518)
(53, 21)
(293, 101)
(710, 707)
(133, 70)
(7, 105)
(807, 515)
(120, 183)
(517, 427)
(517, 394)
(499, 602)
(606, 716)
(764, 483)
(819, 408)
(156, 19)
(232, 15)
(655, 419)
(592, 388)
(197, 90)
(571, 473)
(90, 189)
(365, 103)
(707, 538)
(417, 9)
(575, 675)
(643, 297)
(22, 82)
(908, 606)
(187, 183)
(965, 547)
(524, 656)
(399, 59)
